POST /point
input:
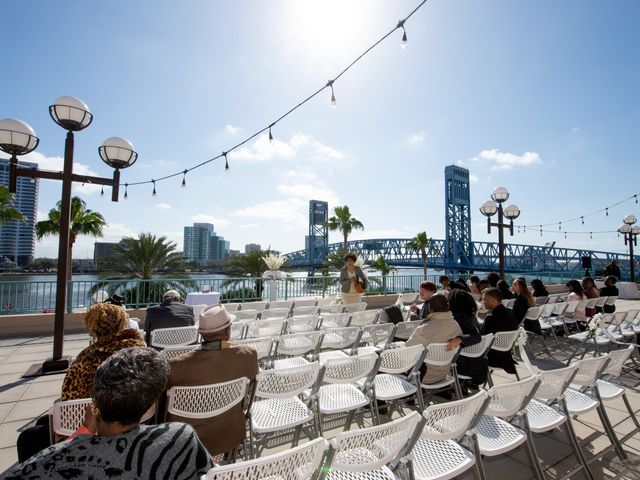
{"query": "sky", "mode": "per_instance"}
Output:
(538, 96)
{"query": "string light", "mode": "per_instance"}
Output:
(606, 211)
(591, 235)
(403, 43)
(582, 218)
(636, 197)
(560, 226)
(184, 180)
(102, 191)
(154, 194)
(540, 230)
(226, 162)
(126, 194)
(565, 235)
(330, 83)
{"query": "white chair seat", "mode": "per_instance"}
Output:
(448, 380)
(290, 362)
(367, 350)
(495, 436)
(273, 414)
(438, 459)
(579, 403)
(330, 355)
(582, 337)
(380, 474)
(336, 398)
(543, 418)
(608, 390)
(390, 387)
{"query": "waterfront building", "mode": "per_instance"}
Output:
(251, 247)
(105, 251)
(18, 239)
(201, 243)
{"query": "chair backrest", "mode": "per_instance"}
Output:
(408, 298)
(349, 369)
(246, 315)
(305, 302)
(364, 317)
(582, 304)
(167, 337)
(591, 303)
(589, 370)
(507, 399)
(611, 300)
(296, 344)
(368, 449)
(533, 313)
(439, 356)
(232, 307)
(330, 320)
(510, 303)
(503, 341)
(266, 328)
(321, 302)
(548, 309)
(617, 359)
(541, 300)
(561, 307)
(286, 382)
(479, 349)
(631, 316)
(618, 318)
(206, 401)
(197, 310)
(355, 307)
(338, 338)
(338, 308)
(238, 330)
(296, 464)
(173, 352)
(570, 306)
(400, 360)
(600, 301)
(554, 382)
(302, 323)
(260, 305)
(378, 334)
(505, 302)
(288, 304)
(405, 329)
(275, 313)
(305, 310)
(262, 345)
(451, 420)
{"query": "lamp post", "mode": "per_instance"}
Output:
(17, 138)
(630, 232)
(493, 206)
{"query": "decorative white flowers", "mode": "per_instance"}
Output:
(359, 262)
(596, 322)
(273, 261)
(521, 341)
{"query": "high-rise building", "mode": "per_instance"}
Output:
(105, 251)
(458, 249)
(317, 242)
(251, 247)
(201, 243)
(18, 239)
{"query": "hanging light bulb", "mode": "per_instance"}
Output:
(582, 218)
(560, 226)
(154, 194)
(126, 194)
(524, 229)
(403, 43)
(591, 235)
(565, 235)
(333, 95)
(606, 211)
(540, 230)
(270, 135)
(636, 197)
(102, 191)
(184, 180)
(226, 162)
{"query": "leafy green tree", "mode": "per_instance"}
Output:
(420, 244)
(248, 265)
(345, 223)
(8, 212)
(381, 265)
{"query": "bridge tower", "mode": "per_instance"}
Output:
(458, 248)
(317, 242)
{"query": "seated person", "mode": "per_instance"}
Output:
(539, 290)
(170, 313)
(524, 300)
(590, 291)
(126, 385)
(473, 285)
(107, 327)
(504, 290)
(499, 320)
(427, 290)
(609, 290)
(215, 361)
(482, 285)
(493, 278)
(440, 327)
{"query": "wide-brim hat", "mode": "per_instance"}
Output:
(171, 294)
(214, 318)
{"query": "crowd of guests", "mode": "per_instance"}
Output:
(124, 378)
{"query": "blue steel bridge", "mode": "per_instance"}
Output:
(478, 257)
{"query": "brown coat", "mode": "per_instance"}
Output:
(203, 367)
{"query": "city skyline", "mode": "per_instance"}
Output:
(550, 114)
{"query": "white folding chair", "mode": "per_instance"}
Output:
(288, 304)
(408, 298)
(232, 307)
(305, 302)
(347, 387)
(405, 329)
(600, 302)
(355, 307)
(260, 305)
(323, 302)
(294, 346)
(275, 313)
(296, 463)
(335, 340)
(305, 310)
(369, 452)
(611, 301)
(569, 312)
(437, 455)
(238, 330)
(173, 352)
(377, 336)
(438, 356)
(303, 323)
(364, 317)
(264, 347)
(338, 308)
(246, 315)
(276, 409)
(334, 320)
(541, 300)
(479, 350)
(171, 337)
(266, 328)
(503, 342)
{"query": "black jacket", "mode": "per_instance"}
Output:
(476, 368)
(501, 320)
(167, 315)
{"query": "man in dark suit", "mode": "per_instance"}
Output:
(499, 320)
(170, 313)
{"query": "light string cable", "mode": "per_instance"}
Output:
(581, 218)
(268, 128)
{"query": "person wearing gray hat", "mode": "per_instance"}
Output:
(215, 361)
(170, 313)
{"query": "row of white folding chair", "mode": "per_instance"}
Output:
(175, 336)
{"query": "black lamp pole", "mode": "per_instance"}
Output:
(631, 239)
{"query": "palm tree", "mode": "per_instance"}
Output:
(249, 265)
(381, 265)
(420, 243)
(83, 222)
(7, 211)
(150, 259)
(343, 221)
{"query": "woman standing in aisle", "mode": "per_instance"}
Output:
(350, 277)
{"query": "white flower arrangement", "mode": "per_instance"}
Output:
(273, 261)
(359, 262)
(521, 341)
(596, 322)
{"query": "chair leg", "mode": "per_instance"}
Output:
(479, 467)
(349, 420)
(574, 441)
(489, 379)
(534, 460)
(608, 428)
(296, 436)
(630, 410)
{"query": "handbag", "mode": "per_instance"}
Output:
(359, 287)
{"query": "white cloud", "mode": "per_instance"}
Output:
(56, 164)
(292, 211)
(308, 192)
(303, 174)
(416, 138)
(299, 144)
(204, 218)
(402, 232)
(474, 178)
(575, 129)
(248, 226)
(231, 130)
(504, 160)
(165, 206)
